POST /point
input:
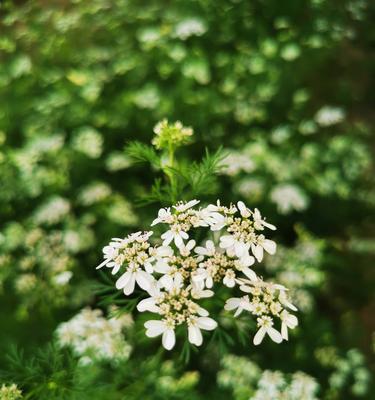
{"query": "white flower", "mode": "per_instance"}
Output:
(156, 328)
(176, 277)
(182, 207)
(265, 326)
(212, 218)
(158, 253)
(243, 264)
(233, 246)
(189, 27)
(164, 216)
(175, 234)
(287, 321)
(288, 198)
(195, 324)
(110, 253)
(263, 244)
(151, 303)
(235, 162)
(186, 249)
(244, 211)
(91, 336)
(173, 280)
(260, 223)
(62, 278)
(114, 253)
(230, 278)
(209, 250)
(202, 276)
(328, 116)
(130, 277)
(283, 298)
(200, 293)
(239, 304)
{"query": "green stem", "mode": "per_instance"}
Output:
(170, 174)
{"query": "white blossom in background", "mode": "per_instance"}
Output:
(236, 162)
(328, 116)
(52, 212)
(92, 337)
(88, 141)
(244, 376)
(62, 278)
(190, 27)
(273, 385)
(288, 198)
(94, 193)
(178, 272)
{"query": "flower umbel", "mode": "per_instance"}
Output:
(177, 274)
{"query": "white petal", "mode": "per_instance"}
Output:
(195, 335)
(155, 221)
(143, 279)
(257, 214)
(258, 252)
(200, 250)
(270, 226)
(167, 237)
(154, 328)
(206, 323)
(229, 282)
(169, 339)
(232, 303)
(129, 287)
(250, 274)
(164, 251)
(209, 282)
(166, 281)
(240, 249)
(226, 241)
(162, 267)
(269, 246)
(284, 331)
(292, 321)
(202, 312)
(178, 240)
(102, 264)
(123, 280)
(238, 312)
(274, 334)
(210, 246)
(259, 336)
(148, 305)
(149, 268)
(247, 260)
(243, 209)
(190, 244)
(245, 288)
(116, 268)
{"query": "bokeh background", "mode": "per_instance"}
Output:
(286, 87)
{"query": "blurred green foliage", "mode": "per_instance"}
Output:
(285, 87)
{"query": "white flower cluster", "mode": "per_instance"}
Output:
(272, 385)
(10, 392)
(288, 197)
(244, 376)
(177, 273)
(190, 27)
(328, 116)
(94, 337)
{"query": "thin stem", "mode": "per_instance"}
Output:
(171, 174)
